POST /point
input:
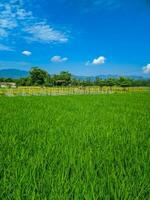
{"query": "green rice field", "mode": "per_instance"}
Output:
(82, 147)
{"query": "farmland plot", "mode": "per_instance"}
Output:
(75, 147)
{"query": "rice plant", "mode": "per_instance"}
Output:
(75, 147)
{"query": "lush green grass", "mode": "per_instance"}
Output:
(75, 147)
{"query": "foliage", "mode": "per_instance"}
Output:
(124, 82)
(110, 82)
(100, 82)
(39, 77)
(64, 78)
(8, 80)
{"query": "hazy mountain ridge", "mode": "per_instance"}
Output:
(92, 78)
(15, 73)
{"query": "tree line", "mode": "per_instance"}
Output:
(40, 77)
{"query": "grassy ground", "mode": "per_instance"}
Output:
(75, 147)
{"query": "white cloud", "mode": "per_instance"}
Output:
(7, 23)
(5, 48)
(99, 61)
(146, 69)
(23, 15)
(15, 19)
(8, 19)
(27, 53)
(42, 32)
(58, 59)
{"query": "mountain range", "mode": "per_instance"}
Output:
(92, 78)
(15, 73)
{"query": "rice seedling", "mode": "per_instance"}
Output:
(75, 147)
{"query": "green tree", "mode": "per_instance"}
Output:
(124, 82)
(65, 75)
(111, 82)
(39, 76)
(75, 82)
(64, 78)
(24, 81)
(100, 82)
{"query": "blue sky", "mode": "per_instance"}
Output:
(85, 37)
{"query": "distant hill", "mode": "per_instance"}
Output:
(105, 77)
(13, 73)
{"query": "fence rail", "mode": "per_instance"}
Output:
(53, 91)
